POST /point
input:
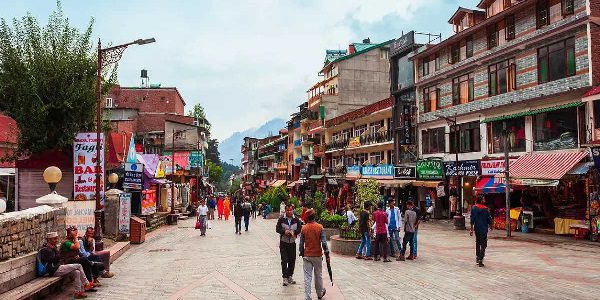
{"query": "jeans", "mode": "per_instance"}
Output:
(76, 271)
(480, 245)
(408, 239)
(246, 221)
(394, 236)
(238, 225)
(381, 240)
(202, 220)
(288, 258)
(413, 250)
(365, 242)
(313, 264)
(98, 264)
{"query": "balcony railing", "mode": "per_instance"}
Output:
(309, 115)
(368, 139)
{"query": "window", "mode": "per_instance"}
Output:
(496, 7)
(406, 73)
(542, 13)
(555, 130)
(438, 61)
(468, 136)
(376, 157)
(431, 97)
(502, 77)
(433, 140)
(425, 66)
(375, 126)
(509, 30)
(492, 36)
(384, 54)
(556, 61)
(568, 7)
(516, 135)
(359, 159)
(454, 56)
(463, 89)
(109, 102)
(359, 130)
(469, 46)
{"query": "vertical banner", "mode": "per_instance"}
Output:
(595, 151)
(148, 202)
(85, 156)
(124, 212)
(80, 214)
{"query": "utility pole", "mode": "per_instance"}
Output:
(506, 178)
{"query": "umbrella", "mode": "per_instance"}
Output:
(329, 268)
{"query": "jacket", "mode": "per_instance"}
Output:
(480, 219)
(397, 217)
(51, 258)
(313, 241)
(282, 226)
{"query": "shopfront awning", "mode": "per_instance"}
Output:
(278, 183)
(581, 168)
(399, 183)
(486, 185)
(316, 177)
(531, 112)
(542, 166)
(425, 183)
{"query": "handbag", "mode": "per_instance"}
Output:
(197, 225)
(40, 267)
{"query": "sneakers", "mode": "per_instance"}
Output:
(291, 280)
(323, 295)
(79, 295)
(400, 258)
(377, 258)
(358, 256)
(285, 281)
(410, 257)
(367, 258)
(386, 260)
(108, 274)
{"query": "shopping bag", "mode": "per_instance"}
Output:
(197, 225)
(208, 224)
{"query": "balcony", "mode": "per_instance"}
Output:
(307, 140)
(379, 137)
(309, 116)
(280, 166)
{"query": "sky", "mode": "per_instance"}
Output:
(245, 62)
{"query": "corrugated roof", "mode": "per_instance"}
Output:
(365, 49)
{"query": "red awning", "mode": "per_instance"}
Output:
(551, 166)
(592, 92)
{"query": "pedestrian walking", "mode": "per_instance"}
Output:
(288, 227)
(220, 208)
(365, 238)
(226, 208)
(394, 225)
(413, 250)
(246, 211)
(381, 233)
(410, 226)
(212, 204)
(237, 215)
(254, 209)
(313, 243)
(202, 217)
(481, 222)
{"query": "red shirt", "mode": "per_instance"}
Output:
(381, 221)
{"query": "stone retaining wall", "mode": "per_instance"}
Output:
(346, 247)
(23, 232)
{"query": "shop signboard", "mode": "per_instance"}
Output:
(406, 131)
(595, 151)
(354, 142)
(80, 214)
(84, 166)
(405, 172)
(148, 202)
(132, 178)
(378, 171)
(353, 172)
(402, 43)
(493, 167)
(430, 169)
(465, 168)
(124, 212)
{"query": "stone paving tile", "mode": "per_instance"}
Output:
(177, 262)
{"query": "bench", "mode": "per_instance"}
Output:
(18, 279)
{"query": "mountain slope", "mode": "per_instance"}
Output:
(230, 147)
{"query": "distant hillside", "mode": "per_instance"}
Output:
(230, 147)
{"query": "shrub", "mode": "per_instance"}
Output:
(332, 221)
(367, 191)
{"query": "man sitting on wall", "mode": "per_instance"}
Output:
(88, 249)
(49, 257)
(69, 253)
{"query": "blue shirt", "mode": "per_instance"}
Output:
(392, 224)
(480, 219)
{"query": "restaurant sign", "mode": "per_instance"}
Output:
(353, 171)
(465, 168)
(430, 169)
(378, 171)
(405, 173)
(493, 167)
(85, 169)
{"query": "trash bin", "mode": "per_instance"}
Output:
(137, 231)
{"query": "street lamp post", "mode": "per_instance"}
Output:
(106, 57)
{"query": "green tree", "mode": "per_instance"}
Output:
(47, 80)
(367, 191)
(215, 172)
(197, 112)
(235, 186)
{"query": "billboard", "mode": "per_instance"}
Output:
(85, 156)
(80, 214)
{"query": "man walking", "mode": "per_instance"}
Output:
(394, 217)
(480, 221)
(237, 214)
(365, 237)
(202, 217)
(246, 210)
(288, 227)
(212, 204)
(410, 226)
(413, 249)
(313, 243)
(381, 233)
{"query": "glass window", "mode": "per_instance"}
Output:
(542, 13)
(502, 77)
(468, 138)
(431, 98)
(359, 159)
(425, 70)
(405, 73)
(509, 32)
(492, 36)
(438, 61)
(556, 61)
(516, 135)
(454, 56)
(469, 46)
(555, 130)
(359, 130)
(463, 88)
(433, 140)
(568, 7)
(375, 126)
(376, 157)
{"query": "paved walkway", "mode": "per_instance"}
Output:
(176, 263)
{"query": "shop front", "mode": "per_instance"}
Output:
(402, 187)
(463, 180)
(430, 176)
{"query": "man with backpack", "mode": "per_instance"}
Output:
(49, 262)
(246, 211)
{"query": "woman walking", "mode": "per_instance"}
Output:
(227, 207)
(220, 208)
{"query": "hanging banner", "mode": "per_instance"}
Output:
(354, 142)
(595, 151)
(124, 212)
(80, 214)
(465, 168)
(379, 172)
(85, 156)
(430, 169)
(132, 179)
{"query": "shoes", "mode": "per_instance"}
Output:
(400, 258)
(367, 258)
(323, 295)
(377, 258)
(358, 256)
(410, 257)
(291, 280)
(89, 287)
(386, 260)
(285, 281)
(107, 274)
(80, 295)
(97, 283)
(240, 233)
(481, 264)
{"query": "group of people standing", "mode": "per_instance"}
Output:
(239, 209)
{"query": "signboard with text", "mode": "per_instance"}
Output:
(85, 157)
(430, 169)
(465, 168)
(132, 178)
(124, 212)
(80, 214)
(405, 172)
(493, 167)
(379, 171)
(353, 172)
(595, 151)
(148, 202)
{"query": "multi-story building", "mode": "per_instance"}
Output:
(514, 71)
(249, 163)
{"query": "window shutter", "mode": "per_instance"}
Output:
(469, 46)
(512, 69)
(507, 4)
(438, 98)
(426, 102)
